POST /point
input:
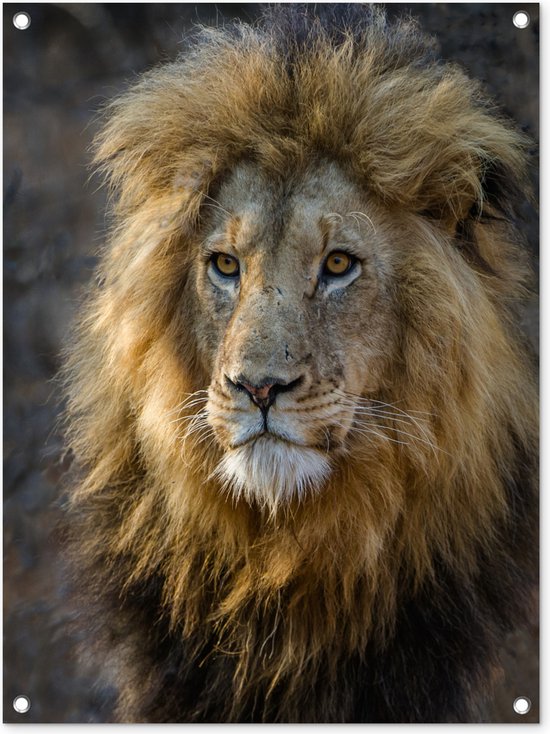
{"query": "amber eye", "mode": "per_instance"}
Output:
(226, 265)
(338, 263)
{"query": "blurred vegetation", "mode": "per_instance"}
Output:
(57, 74)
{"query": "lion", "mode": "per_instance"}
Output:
(303, 414)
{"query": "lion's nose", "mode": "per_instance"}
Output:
(264, 392)
(262, 396)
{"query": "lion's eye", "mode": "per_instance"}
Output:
(338, 263)
(226, 265)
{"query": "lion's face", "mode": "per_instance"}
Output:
(296, 321)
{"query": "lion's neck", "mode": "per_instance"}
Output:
(313, 570)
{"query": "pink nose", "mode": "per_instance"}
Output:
(259, 393)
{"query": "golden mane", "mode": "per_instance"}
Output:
(325, 578)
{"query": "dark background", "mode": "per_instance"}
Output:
(57, 74)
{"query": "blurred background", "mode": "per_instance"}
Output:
(57, 75)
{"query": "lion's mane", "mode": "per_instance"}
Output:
(386, 596)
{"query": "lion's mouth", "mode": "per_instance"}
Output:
(328, 442)
(269, 435)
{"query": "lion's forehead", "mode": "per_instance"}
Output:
(262, 215)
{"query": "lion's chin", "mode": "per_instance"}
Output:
(271, 472)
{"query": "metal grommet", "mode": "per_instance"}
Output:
(521, 19)
(522, 705)
(21, 704)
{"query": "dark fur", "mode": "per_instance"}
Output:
(445, 646)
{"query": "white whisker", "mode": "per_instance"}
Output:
(434, 448)
(184, 418)
(193, 398)
(367, 218)
(362, 413)
(364, 410)
(194, 428)
(395, 407)
(356, 399)
(371, 431)
(364, 406)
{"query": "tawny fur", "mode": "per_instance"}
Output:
(289, 597)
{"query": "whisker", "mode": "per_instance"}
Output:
(195, 428)
(327, 439)
(394, 405)
(184, 418)
(394, 417)
(412, 418)
(186, 455)
(215, 203)
(367, 218)
(192, 403)
(361, 399)
(195, 435)
(433, 446)
(364, 412)
(372, 432)
(208, 434)
(363, 409)
(195, 431)
(191, 399)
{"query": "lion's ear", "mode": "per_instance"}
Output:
(503, 192)
(430, 142)
(498, 195)
(194, 183)
(486, 234)
(145, 151)
(489, 180)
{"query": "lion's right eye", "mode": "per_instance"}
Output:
(225, 265)
(338, 263)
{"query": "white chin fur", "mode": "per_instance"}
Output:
(272, 472)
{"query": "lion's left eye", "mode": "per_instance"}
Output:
(338, 263)
(226, 265)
